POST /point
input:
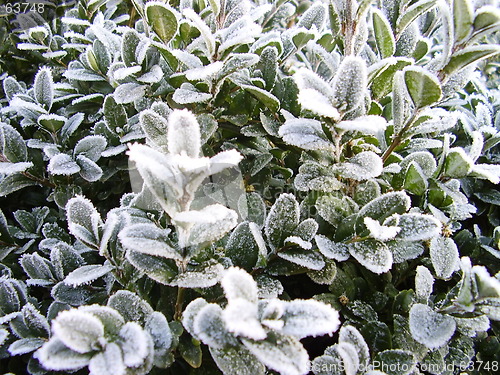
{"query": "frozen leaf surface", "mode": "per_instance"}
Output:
(380, 232)
(332, 250)
(444, 256)
(78, 330)
(237, 283)
(148, 239)
(281, 353)
(54, 355)
(363, 166)
(429, 327)
(424, 282)
(374, 255)
(305, 133)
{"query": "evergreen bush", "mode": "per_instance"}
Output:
(250, 187)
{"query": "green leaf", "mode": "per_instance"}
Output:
(384, 38)
(386, 205)
(12, 145)
(396, 362)
(13, 183)
(160, 269)
(381, 75)
(282, 219)
(415, 180)
(349, 83)
(87, 274)
(43, 88)
(411, 13)
(78, 330)
(284, 354)
(463, 17)
(246, 245)
(305, 133)
(457, 164)
(424, 88)
(162, 20)
(486, 17)
(114, 114)
(237, 360)
(265, 97)
(190, 351)
(149, 239)
(469, 55)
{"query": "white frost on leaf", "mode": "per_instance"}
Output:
(315, 102)
(424, 282)
(373, 255)
(429, 327)
(62, 164)
(241, 318)
(184, 135)
(415, 226)
(444, 256)
(362, 166)
(371, 124)
(305, 133)
(78, 330)
(380, 232)
(330, 249)
(309, 318)
(237, 283)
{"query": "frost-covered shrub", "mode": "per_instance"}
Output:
(250, 187)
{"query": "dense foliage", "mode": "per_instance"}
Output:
(250, 187)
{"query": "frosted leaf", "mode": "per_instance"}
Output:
(223, 160)
(317, 103)
(237, 283)
(237, 360)
(155, 127)
(204, 73)
(332, 250)
(373, 255)
(440, 121)
(470, 326)
(403, 360)
(308, 80)
(240, 317)
(206, 225)
(490, 172)
(78, 330)
(12, 144)
(11, 168)
(43, 87)
(313, 17)
(148, 239)
(246, 246)
(3, 335)
(487, 285)
(348, 354)
(154, 75)
(309, 318)
(424, 282)
(306, 229)
(308, 259)
(349, 83)
(62, 164)
(326, 275)
(350, 335)
(206, 34)
(134, 344)
(209, 327)
(86, 274)
(123, 73)
(380, 232)
(54, 355)
(187, 94)
(81, 214)
(371, 124)
(91, 147)
(269, 288)
(415, 227)
(305, 133)
(190, 313)
(313, 176)
(296, 240)
(362, 166)
(424, 159)
(110, 318)
(282, 218)
(130, 306)
(326, 364)
(159, 330)
(183, 134)
(108, 362)
(476, 148)
(207, 277)
(444, 256)
(429, 327)
(25, 346)
(281, 353)
(129, 92)
(89, 170)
